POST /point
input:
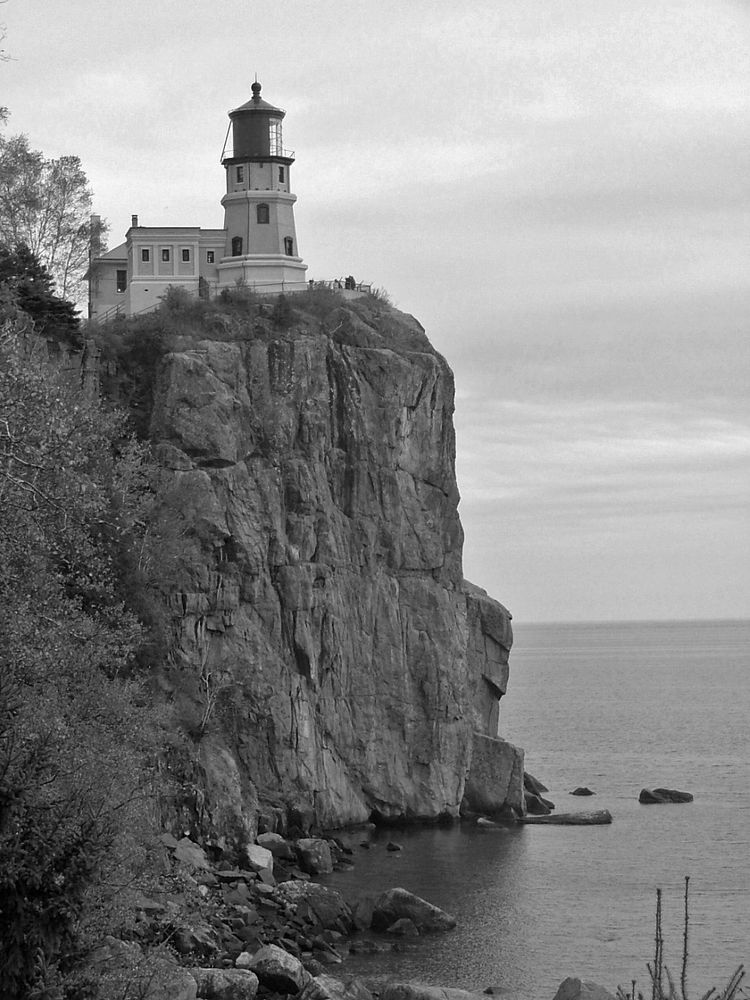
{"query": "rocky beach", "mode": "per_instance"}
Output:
(266, 928)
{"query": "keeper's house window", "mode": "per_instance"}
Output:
(240, 174)
(289, 246)
(165, 254)
(209, 256)
(262, 214)
(121, 281)
(145, 255)
(236, 246)
(186, 255)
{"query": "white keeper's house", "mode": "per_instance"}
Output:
(257, 246)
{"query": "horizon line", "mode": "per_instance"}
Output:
(627, 621)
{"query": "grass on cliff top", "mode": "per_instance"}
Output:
(238, 315)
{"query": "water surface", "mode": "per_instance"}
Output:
(616, 707)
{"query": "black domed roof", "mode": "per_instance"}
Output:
(256, 103)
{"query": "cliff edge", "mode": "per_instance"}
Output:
(327, 655)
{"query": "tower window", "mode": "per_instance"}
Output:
(236, 246)
(121, 281)
(186, 254)
(165, 254)
(262, 214)
(145, 255)
(289, 246)
(240, 174)
(281, 174)
(209, 256)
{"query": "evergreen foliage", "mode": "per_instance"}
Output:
(27, 284)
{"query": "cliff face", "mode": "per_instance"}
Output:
(326, 651)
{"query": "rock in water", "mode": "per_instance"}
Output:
(395, 904)
(533, 785)
(576, 989)
(538, 806)
(422, 991)
(659, 796)
(599, 818)
(487, 824)
(404, 928)
(582, 790)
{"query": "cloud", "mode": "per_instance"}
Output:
(557, 190)
(583, 509)
(595, 449)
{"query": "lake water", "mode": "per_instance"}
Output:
(617, 707)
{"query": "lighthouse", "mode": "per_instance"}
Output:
(257, 248)
(261, 241)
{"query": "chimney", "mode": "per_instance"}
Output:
(95, 236)
(134, 221)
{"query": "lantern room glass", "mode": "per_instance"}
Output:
(274, 137)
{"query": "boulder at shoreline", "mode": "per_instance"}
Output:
(533, 785)
(395, 904)
(575, 989)
(537, 805)
(424, 991)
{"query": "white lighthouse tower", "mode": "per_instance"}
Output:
(261, 241)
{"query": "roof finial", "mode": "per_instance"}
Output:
(256, 89)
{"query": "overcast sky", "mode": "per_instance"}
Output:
(557, 189)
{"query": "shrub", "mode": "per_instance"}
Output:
(132, 350)
(381, 295)
(242, 298)
(177, 299)
(74, 731)
(282, 316)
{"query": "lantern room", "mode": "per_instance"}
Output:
(256, 129)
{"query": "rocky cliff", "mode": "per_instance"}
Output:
(327, 655)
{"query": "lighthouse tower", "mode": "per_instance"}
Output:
(261, 241)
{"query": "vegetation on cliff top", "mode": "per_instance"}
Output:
(133, 347)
